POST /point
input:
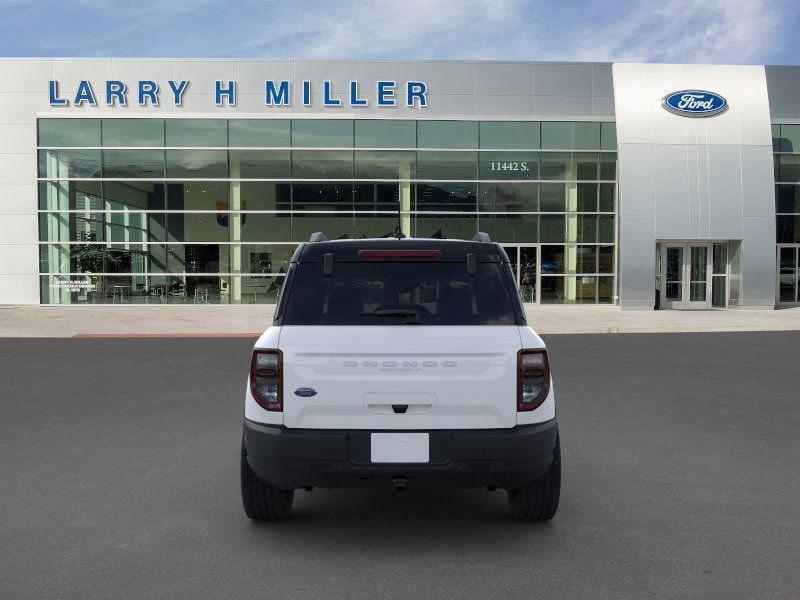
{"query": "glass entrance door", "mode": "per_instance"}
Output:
(524, 262)
(528, 259)
(698, 277)
(788, 273)
(686, 273)
(672, 257)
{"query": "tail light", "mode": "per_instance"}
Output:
(266, 379)
(533, 381)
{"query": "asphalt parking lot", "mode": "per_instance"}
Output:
(681, 456)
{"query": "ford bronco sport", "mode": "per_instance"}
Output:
(400, 363)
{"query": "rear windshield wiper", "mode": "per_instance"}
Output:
(412, 316)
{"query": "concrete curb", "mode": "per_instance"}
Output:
(248, 321)
(541, 331)
(593, 330)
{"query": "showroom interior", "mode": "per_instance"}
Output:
(215, 216)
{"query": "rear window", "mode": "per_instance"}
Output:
(399, 293)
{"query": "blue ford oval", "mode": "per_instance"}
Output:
(305, 392)
(695, 103)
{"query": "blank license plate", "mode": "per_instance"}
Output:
(400, 447)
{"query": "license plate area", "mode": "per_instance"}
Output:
(400, 447)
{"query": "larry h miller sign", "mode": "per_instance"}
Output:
(147, 92)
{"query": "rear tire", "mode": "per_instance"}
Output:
(261, 501)
(539, 502)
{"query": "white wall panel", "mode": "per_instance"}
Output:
(513, 79)
(449, 105)
(725, 193)
(19, 198)
(447, 77)
(202, 73)
(199, 102)
(603, 106)
(671, 190)
(18, 229)
(783, 82)
(602, 80)
(19, 289)
(24, 75)
(338, 72)
(15, 136)
(19, 259)
(758, 262)
(517, 106)
(786, 109)
(761, 176)
(636, 171)
(371, 71)
(253, 103)
(250, 75)
(69, 72)
(561, 107)
(563, 79)
(17, 169)
(783, 87)
(638, 253)
(132, 70)
(710, 189)
(638, 122)
(21, 107)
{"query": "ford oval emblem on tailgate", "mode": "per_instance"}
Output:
(305, 392)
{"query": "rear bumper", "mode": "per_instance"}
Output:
(466, 458)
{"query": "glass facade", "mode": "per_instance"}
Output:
(210, 210)
(786, 148)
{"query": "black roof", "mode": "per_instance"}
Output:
(452, 250)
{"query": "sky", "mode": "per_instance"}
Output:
(680, 31)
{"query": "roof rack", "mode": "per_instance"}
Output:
(481, 237)
(318, 236)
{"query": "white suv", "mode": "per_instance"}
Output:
(400, 363)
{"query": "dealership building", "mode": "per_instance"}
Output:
(167, 181)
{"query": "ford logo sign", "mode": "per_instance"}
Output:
(695, 103)
(305, 392)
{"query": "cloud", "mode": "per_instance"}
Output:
(727, 31)
(714, 31)
(411, 28)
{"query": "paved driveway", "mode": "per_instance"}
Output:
(681, 459)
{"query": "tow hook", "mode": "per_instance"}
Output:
(399, 484)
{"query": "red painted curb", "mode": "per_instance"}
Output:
(168, 335)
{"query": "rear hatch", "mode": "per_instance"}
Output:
(409, 377)
(400, 334)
